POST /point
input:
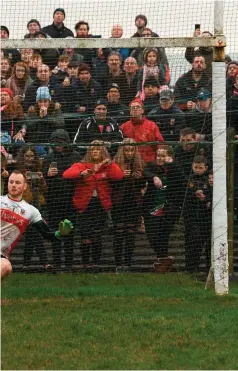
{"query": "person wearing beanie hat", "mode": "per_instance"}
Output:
(8, 91)
(4, 32)
(43, 118)
(141, 129)
(43, 93)
(33, 26)
(88, 90)
(60, 191)
(12, 54)
(57, 29)
(116, 109)
(151, 90)
(99, 127)
(168, 116)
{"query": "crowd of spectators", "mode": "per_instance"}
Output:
(95, 100)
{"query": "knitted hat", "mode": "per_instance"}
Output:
(203, 94)
(59, 10)
(33, 21)
(61, 135)
(151, 82)
(137, 100)
(4, 28)
(141, 16)
(43, 93)
(7, 90)
(101, 102)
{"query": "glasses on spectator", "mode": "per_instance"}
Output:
(135, 107)
(20, 70)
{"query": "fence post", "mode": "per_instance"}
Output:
(230, 194)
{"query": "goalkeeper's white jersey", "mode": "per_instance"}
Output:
(15, 217)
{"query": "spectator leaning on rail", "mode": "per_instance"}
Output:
(142, 130)
(92, 197)
(189, 84)
(60, 191)
(57, 29)
(99, 127)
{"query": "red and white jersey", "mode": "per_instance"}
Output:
(15, 217)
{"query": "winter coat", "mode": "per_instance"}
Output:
(170, 121)
(40, 129)
(89, 130)
(187, 89)
(99, 181)
(16, 89)
(201, 122)
(60, 190)
(56, 32)
(86, 96)
(118, 111)
(30, 96)
(146, 131)
(174, 189)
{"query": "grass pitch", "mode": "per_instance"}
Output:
(108, 321)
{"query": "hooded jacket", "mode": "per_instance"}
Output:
(145, 131)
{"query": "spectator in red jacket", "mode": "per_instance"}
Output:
(141, 129)
(92, 197)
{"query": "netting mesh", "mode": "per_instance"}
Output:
(167, 219)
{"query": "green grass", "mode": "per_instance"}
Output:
(105, 321)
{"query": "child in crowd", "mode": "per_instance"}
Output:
(60, 71)
(197, 219)
(163, 201)
(126, 200)
(152, 68)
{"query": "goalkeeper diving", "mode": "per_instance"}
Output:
(16, 215)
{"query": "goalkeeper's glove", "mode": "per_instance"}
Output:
(65, 228)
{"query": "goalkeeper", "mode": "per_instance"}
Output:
(16, 215)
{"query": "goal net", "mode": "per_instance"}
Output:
(77, 90)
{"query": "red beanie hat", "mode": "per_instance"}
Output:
(7, 90)
(137, 100)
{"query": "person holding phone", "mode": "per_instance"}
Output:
(92, 197)
(205, 52)
(60, 193)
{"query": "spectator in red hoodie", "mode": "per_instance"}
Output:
(141, 129)
(92, 197)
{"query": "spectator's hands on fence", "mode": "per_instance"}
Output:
(168, 160)
(157, 182)
(20, 135)
(191, 105)
(65, 228)
(52, 171)
(43, 112)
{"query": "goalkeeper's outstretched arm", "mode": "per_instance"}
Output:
(65, 228)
